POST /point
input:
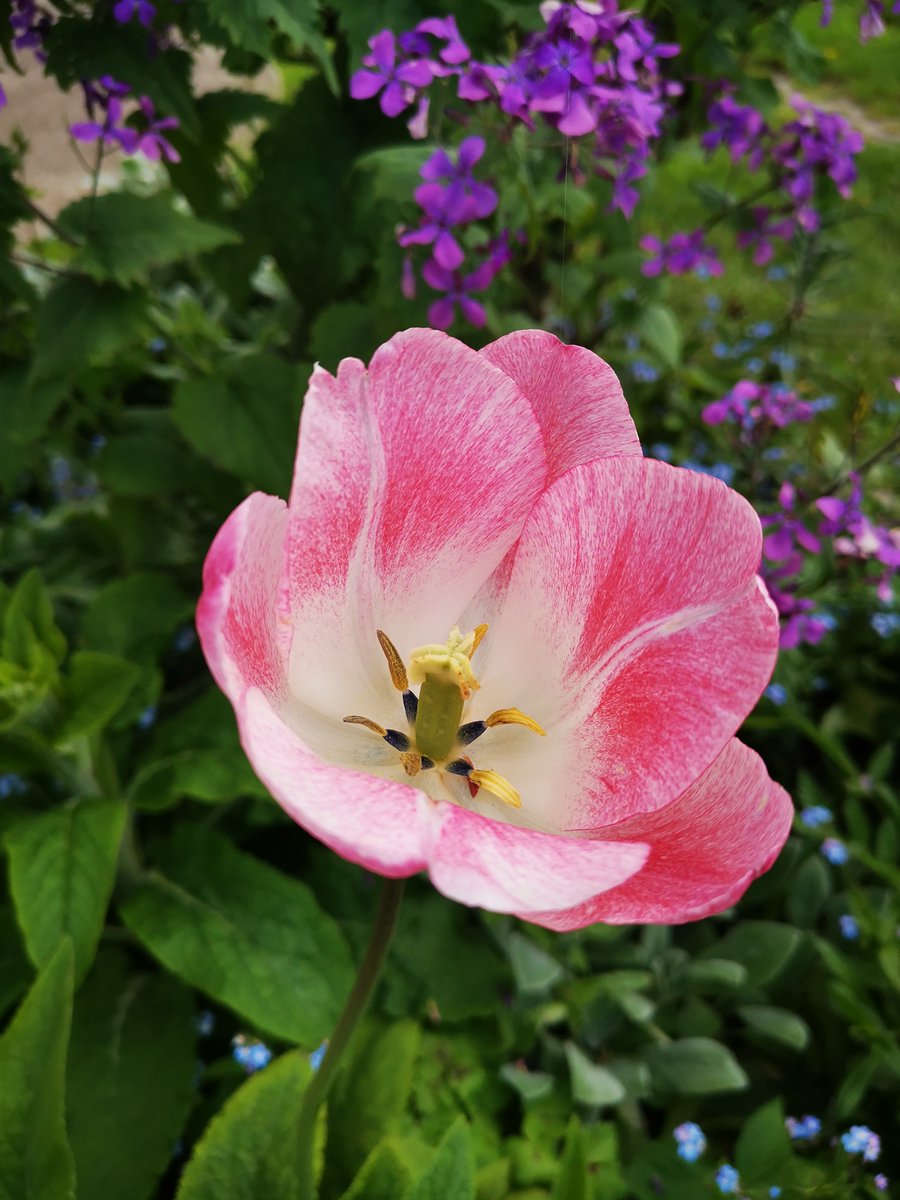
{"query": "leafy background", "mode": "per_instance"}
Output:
(158, 905)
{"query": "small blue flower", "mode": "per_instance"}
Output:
(777, 693)
(184, 639)
(803, 1130)
(315, 1059)
(644, 372)
(252, 1056)
(881, 1182)
(631, 341)
(777, 272)
(859, 1139)
(12, 785)
(815, 815)
(885, 624)
(774, 1190)
(662, 451)
(824, 403)
(727, 1179)
(783, 360)
(156, 345)
(762, 329)
(743, 347)
(691, 1141)
(206, 1023)
(147, 717)
(835, 851)
(713, 302)
(754, 365)
(720, 350)
(773, 453)
(849, 927)
(723, 471)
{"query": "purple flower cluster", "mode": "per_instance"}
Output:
(815, 145)
(104, 99)
(683, 252)
(30, 24)
(753, 406)
(855, 536)
(871, 19)
(592, 72)
(451, 198)
(126, 10)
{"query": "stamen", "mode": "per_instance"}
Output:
(413, 763)
(410, 706)
(512, 716)
(395, 662)
(497, 786)
(373, 725)
(477, 634)
(466, 734)
(396, 739)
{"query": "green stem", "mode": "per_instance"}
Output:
(385, 920)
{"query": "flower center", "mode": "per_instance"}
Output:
(434, 716)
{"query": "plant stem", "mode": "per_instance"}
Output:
(385, 920)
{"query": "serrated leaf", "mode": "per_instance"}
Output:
(763, 1147)
(245, 419)
(694, 1066)
(385, 1175)
(776, 1025)
(245, 934)
(96, 687)
(132, 1064)
(123, 236)
(451, 1175)
(62, 868)
(35, 1159)
(248, 1150)
(248, 22)
(591, 1084)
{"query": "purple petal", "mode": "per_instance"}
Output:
(447, 251)
(365, 84)
(441, 313)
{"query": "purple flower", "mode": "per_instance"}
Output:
(750, 404)
(788, 532)
(435, 229)
(871, 21)
(30, 25)
(683, 252)
(739, 127)
(881, 1182)
(458, 286)
(150, 141)
(125, 11)
(397, 81)
(467, 199)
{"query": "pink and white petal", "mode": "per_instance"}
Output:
(413, 479)
(379, 823)
(705, 849)
(507, 869)
(635, 632)
(576, 398)
(243, 617)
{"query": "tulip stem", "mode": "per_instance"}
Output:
(313, 1097)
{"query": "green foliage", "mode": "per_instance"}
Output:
(451, 1174)
(243, 933)
(35, 1159)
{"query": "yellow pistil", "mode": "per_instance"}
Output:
(448, 663)
(497, 786)
(448, 681)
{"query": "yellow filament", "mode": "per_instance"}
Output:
(477, 634)
(512, 716)
(497, 786)
(394, 661)
(373, 725)
(411, 762)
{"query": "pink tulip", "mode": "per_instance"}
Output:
(628, 637)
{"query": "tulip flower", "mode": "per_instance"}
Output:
(487, 639)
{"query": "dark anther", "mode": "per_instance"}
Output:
(459, 767)
(398, 740)
(468, 733)
(410, 705)
(427, 763)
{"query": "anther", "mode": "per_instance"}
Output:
(410, 706)
(413, 763)
(477, 634)
(466, 734)
(398, 740)
(497, 786)
(394, 661)
(512, 716)
(372, 725)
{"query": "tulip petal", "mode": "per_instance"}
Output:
(381, 824)
(705, 848)
(507, 869)
(635, 631)
(575, 395)
(412, 481)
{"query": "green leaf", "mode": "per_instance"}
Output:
(694, 1066)
(62, 868)
(572, 1181)
(132, 1063)
(712, 974)
(809, 891)
(245, 419)
(385, 1175)
(659, 331)
(80, 323)
(245, 934)
(28, 611)
(451, 1175)
(764, 948)
(123, 235)
(369, 1099)
(763, 1148)
(94, 690)
(15, 970)
(591, 1084)
(776, 1025)
(136, 616)
(531, 1085)
(35, 1159)
(535, 970)
(248, 23)
(248, 1151)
